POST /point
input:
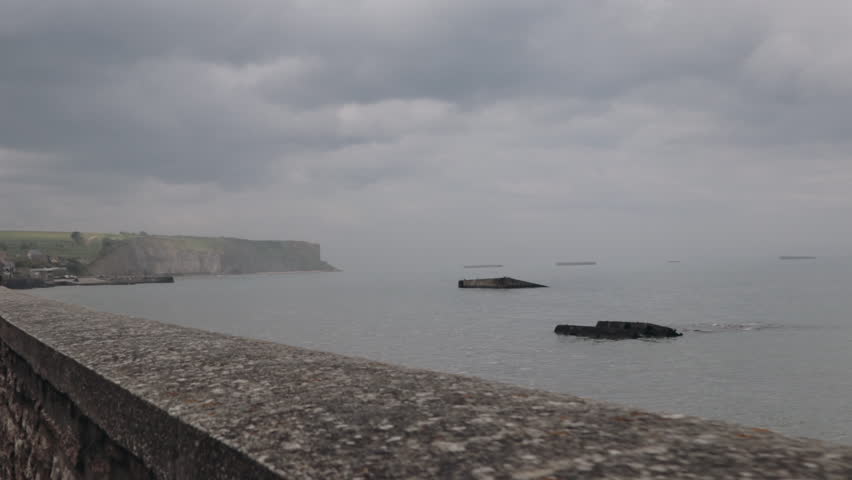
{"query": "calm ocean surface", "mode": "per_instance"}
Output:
(767, 343)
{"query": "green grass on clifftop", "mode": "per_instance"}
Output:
(16, 243)
(59, 244)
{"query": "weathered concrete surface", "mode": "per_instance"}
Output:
(193, 404)
(502, 282)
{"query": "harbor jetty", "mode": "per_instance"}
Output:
(618, 330)
(502, 282)
(25, 283)
(125, 280)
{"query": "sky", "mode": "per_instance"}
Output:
(435, 131)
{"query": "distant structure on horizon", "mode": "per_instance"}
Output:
(796, 257)
(503, 282)
(574, 264)
(484, 266)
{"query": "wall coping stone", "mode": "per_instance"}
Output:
(196, 404)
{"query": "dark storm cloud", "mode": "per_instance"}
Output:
(370, 113)
(188, 93)
(137, 88)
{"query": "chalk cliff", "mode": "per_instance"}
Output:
(149, 255)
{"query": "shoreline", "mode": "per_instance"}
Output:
(26, 283)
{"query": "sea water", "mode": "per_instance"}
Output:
(766, 343)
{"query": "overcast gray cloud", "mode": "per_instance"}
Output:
(457, 129)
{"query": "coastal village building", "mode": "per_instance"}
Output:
(48, 273)
(37, 257)
(7, 266)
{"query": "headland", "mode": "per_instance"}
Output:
(54, 258)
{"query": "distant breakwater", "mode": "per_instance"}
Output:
(25, 283)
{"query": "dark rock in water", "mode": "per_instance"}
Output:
(502, 282)
(618, 330)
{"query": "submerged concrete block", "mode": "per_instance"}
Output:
(502, 282)
(618, 330)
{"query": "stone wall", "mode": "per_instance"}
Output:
(44, 435)
(85, 394)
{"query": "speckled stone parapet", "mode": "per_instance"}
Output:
(194, 404)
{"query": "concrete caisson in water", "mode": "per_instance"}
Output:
(618, 330)
(502, 282)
